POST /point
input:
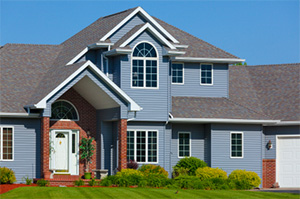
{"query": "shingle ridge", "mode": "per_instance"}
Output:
(22, 44)
(250, 109)
(198, 38)
(297, 64)
(119, 12)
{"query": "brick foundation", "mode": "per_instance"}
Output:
(122, 132)
(87, 122)
(269, 172)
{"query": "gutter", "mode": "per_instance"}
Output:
(100, 45)
(285, 123)
(226, 121)
(200, 59)
(20, 115)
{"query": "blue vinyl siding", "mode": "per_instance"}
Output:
(99, 82)
(27, 148)
(197, 140)
(136, 20)
(220, 148)
(270, 133)
(163, 152)
(154, 101)
(192, 87)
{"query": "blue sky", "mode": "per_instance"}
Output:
(262, 32)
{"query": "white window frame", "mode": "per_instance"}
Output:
(237, 132)
(144, 70)
(135, 143)
(13, 143)
(190, 143)
(212, 74)
(60, 100)
(182, 73)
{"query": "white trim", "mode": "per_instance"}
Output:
(218, 120)
(146, 155)
(13, 143)
(237, 132)
(145, 14)
(182, 73)
(117, 51)
(153, 31)
(215, 60)
(190, 139)
(133, 106)
(144, 66)
(99, 45)
(31, 115)
(63, 100)
(180, 46)
(285, 123)
(277, 153)
(72, 61)
(212, 74)
(171, 52)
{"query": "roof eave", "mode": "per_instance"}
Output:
(20, 115)
(214, 60)
(221, 120)
(117, 51)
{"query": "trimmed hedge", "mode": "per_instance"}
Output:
(245, 179)
(148, 169)
(190, 163)
(209, 173)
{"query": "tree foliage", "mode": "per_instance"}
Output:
(87, 150)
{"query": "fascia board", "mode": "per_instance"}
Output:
(117, 51)
(153, 31)
(215, 60)
(217, 120)
(145, 14)
(72, 61)
(133, 106)
(32, 115)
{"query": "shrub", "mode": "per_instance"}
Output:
(209, 173)
(27, 180)
(180, 171)
(157, 180)
(79, 182)
(186, 182)
(244, 179)
(92, 182)
(108, 181)
(190, 163)
(128, 172)
(130, 177)
(132, 164)
(42, 183)
(147, 169)
(7, 176)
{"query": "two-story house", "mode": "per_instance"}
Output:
(146, 91)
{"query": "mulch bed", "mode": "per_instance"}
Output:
(7, 187)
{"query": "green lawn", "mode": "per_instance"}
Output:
(131, 193)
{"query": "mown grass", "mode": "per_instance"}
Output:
(131, 193)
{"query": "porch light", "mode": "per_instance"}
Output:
(269, 145)
(88, 132)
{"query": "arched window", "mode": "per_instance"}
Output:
(63, 110)
(144, 72)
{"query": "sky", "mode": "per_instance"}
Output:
(262, 32)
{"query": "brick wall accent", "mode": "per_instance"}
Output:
(87, 121)
(269, 172)
(122, 134)
(45, 124)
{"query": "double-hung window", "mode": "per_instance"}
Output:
(142, 146)
(206, 74)
(236, 145)
(184, 144)
(144, 72)
(6, 143)
(177, 73)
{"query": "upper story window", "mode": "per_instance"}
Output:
(6, 143)
(63, 110)
(206, 74)
(144, 71)
(177, 73)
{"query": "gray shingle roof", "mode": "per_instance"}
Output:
(218, 108)
(271, 89)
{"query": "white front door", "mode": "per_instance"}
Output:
(64, 147)
(61, 143)
(288, 161)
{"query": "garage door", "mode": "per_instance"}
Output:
(288, 161)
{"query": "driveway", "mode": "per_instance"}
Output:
(282, 190)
